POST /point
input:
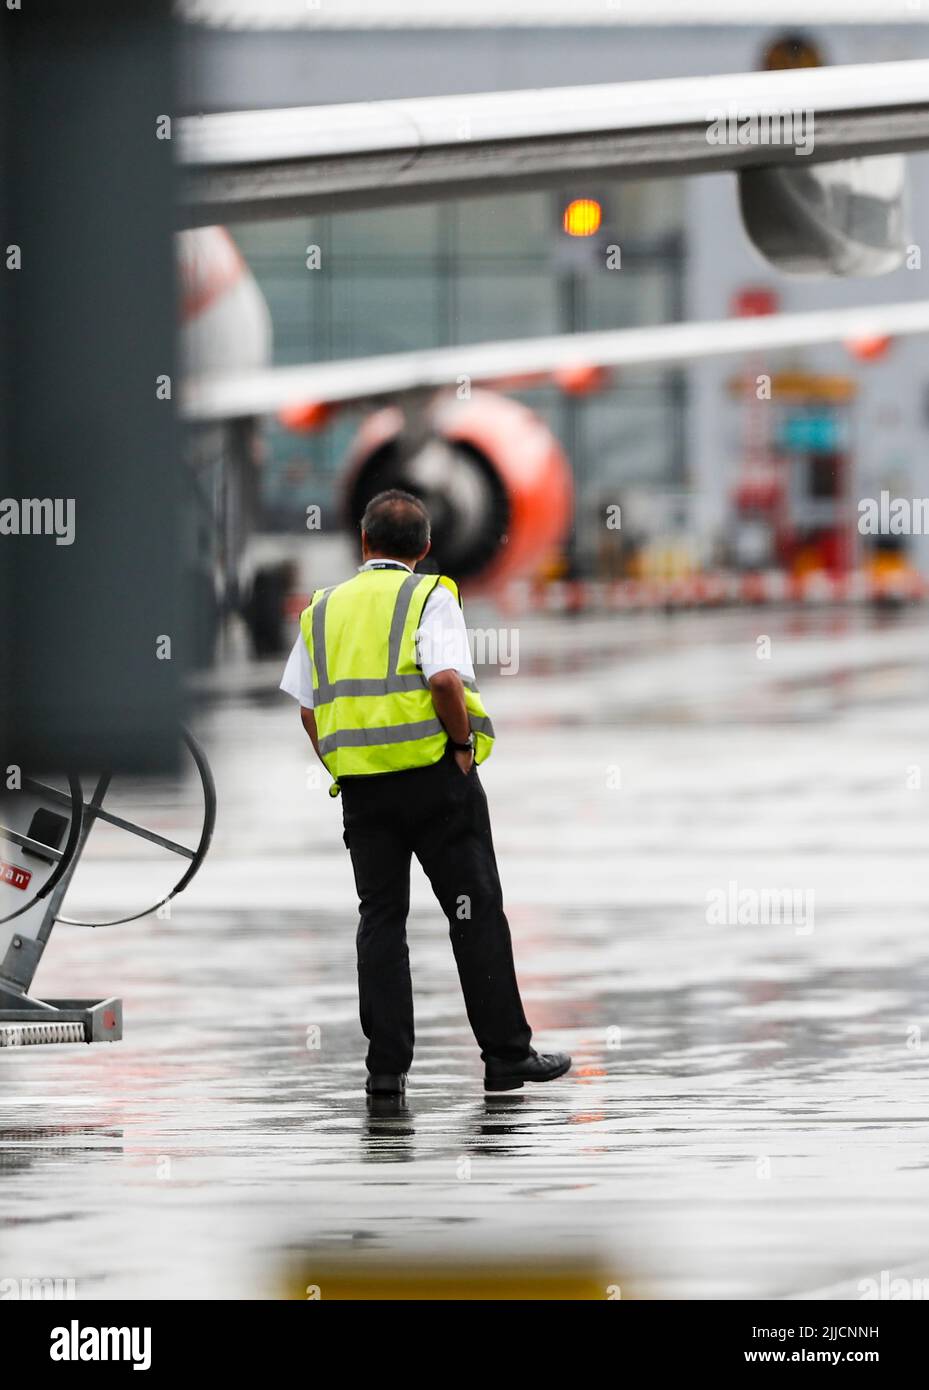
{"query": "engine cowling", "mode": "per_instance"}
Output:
(495, 480)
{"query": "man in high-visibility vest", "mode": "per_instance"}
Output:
(388, 698)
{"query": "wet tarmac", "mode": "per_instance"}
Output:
(747, 1115)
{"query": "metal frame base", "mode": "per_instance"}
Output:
(26, 1022)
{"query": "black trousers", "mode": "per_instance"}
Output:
(439, 814)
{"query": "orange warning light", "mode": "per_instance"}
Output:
(306, 417)
(869, 349)
(582, 217)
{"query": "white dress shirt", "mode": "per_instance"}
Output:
(441, 642)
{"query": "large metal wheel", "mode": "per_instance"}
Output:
(94, 810)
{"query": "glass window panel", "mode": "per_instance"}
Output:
(375, 313)
(520, 227)
(407, 233)
(650, 210)
(298, 305)
(284, 240)
(630, 435)
(492, 306)
(625, 298)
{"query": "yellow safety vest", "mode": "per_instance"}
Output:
(374, 711)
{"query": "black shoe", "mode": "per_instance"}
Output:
(509, 1076)
(382, 1083)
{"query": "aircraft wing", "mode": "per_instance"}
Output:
(256, 164)
(524, 362)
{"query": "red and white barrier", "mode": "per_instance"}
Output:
(720, 589)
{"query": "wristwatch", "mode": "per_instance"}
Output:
(463, 747)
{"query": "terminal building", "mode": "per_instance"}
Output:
(686, 453)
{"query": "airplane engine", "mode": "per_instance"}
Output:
(494, 478)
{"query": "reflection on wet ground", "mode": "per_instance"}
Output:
(747, 1113)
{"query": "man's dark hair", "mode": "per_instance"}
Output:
(396, 524)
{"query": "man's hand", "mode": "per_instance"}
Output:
(308, 720)
(464, 760)
(448, 697)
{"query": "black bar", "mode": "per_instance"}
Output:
(95, 812)
(42, 850)
(207, 1340)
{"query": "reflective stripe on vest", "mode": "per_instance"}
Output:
(368, 723)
